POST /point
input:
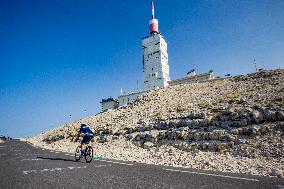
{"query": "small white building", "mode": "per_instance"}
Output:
(126, 98)
(192, 77)
(109, 103)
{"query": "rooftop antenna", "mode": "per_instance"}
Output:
(137, 85)
(255, 66)
(153, 10)
(153, 24)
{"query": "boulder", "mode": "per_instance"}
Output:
(256, 116)
(129, 136)
(279, 115)
(198, 136)
(182, 146)
(277, 173)
(269, 115)
(51, 139)
(216, 135)
(138, 137)
(171, 135)
(161, 135)
(173, 124)
(204, 146)
(231, 138)
(234, 131)
(150, 137)
(212, 146)
(188, 123)
(102, 139)
(160, 126)
(225, 125)
(148, 145)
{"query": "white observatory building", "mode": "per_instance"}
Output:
(155, 57)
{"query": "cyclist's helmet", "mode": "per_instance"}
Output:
(83, 125)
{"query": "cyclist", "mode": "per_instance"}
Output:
(88, 135)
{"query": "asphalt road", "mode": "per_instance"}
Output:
(25, 166)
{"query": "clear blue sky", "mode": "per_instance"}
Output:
(61, 57)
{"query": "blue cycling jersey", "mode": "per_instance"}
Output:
(86, 130)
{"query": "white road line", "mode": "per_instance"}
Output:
(52, 170)
(102, 165)
(56, 152)
(51, 151)
(2, 146)
(115, 162)
(2, 154)
(82, 167)
(44, 170)
(214, 175)
(35, 159)
(31, 171)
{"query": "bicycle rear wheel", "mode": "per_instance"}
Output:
(89, 154)
(78, 153)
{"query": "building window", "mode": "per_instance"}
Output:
(127, 99)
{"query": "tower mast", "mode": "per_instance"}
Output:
(153, 24)
(153, 10)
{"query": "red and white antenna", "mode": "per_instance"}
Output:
(153, 24)
(153, 10)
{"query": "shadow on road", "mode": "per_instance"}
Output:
(58, 159)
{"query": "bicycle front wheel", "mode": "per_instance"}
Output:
(89, 154)
(78, 153)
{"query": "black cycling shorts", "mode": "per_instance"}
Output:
(87, 138)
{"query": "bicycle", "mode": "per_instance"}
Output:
(87, 153)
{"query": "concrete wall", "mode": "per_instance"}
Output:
(193, 79)
(128, 97)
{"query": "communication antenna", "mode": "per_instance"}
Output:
(255, 66)
(137, 85)
(153, 9)
(153, 24)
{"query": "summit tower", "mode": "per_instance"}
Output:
(155, 57)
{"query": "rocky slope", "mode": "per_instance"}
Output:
(234, 124)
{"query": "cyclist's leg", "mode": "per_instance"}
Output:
(83, 142)
(82, 146)
(88, 139)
